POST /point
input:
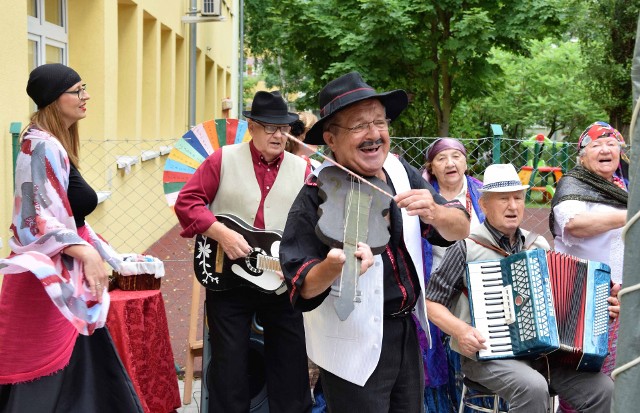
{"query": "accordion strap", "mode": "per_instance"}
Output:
(529, 239)
(485, 243)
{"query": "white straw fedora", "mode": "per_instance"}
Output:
(501, 177)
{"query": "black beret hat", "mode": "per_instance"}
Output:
(47, 82)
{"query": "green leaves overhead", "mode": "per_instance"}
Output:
(437, 50)
(549, 88)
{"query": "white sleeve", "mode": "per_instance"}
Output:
(563, 213)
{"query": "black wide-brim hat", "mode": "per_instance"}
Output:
(347, 90)
(270, 107)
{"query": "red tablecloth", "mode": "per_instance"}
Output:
(138, 324)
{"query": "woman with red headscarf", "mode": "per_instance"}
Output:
(589, 209)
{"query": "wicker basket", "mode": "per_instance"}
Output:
(113, 281)
(137, 282)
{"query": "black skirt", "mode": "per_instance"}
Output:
(95, 381)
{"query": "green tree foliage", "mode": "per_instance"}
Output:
(550, 89)
(249, 89)
(607, 29)
(437, 50)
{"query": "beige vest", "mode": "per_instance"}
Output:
(476, 252)
(239, 193)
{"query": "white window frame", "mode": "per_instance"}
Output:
(44, 33)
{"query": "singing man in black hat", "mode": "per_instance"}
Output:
(257, 182)
(370, 361)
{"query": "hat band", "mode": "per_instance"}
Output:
(500, 184)
(269, 112)
(327, 109)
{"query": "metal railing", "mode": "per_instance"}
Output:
(134, 215)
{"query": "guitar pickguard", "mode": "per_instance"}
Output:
(203, 254)
(257, 270)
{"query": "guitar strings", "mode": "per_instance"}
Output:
(347, 214)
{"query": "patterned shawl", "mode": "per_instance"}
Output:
(583, 185)
(43, 226)
(472, 195)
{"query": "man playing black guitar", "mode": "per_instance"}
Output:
(255, 181)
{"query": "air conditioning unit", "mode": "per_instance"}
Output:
(211, 7)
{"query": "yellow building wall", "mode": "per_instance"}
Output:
(14, 107)
(134, 57)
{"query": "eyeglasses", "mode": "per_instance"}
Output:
(271, 129)
(80, 92)
(379, 124)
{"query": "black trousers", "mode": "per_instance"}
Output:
(395, 386)
(229, 316)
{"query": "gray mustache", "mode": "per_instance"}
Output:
(366, 144)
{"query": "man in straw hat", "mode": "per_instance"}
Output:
(523, 383)
(370, 361)
(256, 181)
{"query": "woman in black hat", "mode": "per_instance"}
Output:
(55, 354)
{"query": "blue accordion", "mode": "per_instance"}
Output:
(536, 302)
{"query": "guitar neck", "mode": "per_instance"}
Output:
(268, 263)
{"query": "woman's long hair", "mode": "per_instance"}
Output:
(49, 120)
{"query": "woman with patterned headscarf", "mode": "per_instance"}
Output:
(589, 209)
(446, 171)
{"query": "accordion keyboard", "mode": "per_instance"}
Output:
(486, 298)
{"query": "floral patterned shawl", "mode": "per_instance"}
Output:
(43, 226)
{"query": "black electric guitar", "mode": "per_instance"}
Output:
(257, 270)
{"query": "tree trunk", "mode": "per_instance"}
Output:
(443, 124)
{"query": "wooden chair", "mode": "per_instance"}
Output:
(194, 347)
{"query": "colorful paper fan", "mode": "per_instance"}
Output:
(194, 147)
